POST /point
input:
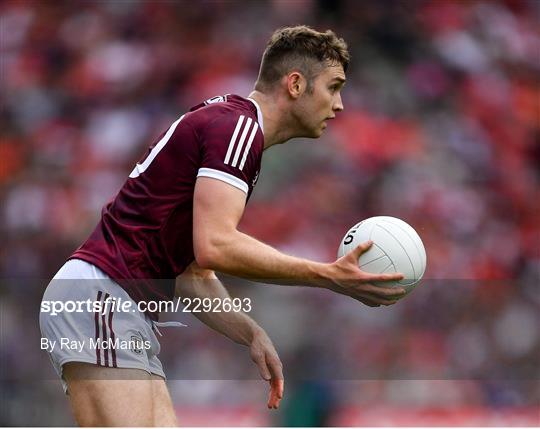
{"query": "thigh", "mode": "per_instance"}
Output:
(164, 414)
(103, 335)
(102, 396)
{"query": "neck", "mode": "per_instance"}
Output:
(276, 130)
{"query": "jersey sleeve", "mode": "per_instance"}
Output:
(232, 149)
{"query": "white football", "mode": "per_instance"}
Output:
(397, 248)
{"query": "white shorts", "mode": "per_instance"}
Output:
(108, 338)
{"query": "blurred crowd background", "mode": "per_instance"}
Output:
(441, 128)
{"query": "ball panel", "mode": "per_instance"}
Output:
(404, 240)
(375, 252)
(409, 230)
(355, 236)
(419, 245)
(390, 269)
(377, 265)
(395, 250)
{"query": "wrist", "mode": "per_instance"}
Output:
(321, 275)
(255, 333)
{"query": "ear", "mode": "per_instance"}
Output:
(296, 84)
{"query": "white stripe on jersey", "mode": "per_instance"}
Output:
(241, 142)
(224, 177)
(141, 168)
(248, 147)
(233, 138)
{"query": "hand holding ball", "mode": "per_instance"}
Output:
(397, 248)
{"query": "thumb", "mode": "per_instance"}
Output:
(361, 248)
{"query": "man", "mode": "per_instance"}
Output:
(177, 216)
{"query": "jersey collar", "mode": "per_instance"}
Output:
(259, 113)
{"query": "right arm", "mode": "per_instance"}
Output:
(219, 246)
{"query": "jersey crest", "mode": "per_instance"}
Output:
(216, 99)
(254, 182)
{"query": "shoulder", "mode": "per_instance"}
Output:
(227, 113)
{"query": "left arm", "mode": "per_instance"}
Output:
(196, 282)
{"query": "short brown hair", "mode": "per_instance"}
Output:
(300, 48)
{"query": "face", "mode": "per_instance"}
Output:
(315, 108)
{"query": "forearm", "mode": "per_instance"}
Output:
(219, 246)
(240, 255)
(237, 326)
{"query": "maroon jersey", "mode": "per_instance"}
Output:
(146, 231)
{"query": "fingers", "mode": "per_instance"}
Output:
(271, 369)
(384, 277)
(377, 302)
(276, 393)
(276, 382)
(367, 299)
(260, 361)
(374, 296)
(373, 300)
(362, 248)
(381, 292)
(368, 302)
(275, 366)
(369, 277)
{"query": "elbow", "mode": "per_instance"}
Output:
(211, 248)
(207, 256)
(205, 259)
